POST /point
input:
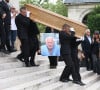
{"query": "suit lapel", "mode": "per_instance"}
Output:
(87, 39)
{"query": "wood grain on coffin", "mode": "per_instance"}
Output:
(54, 20)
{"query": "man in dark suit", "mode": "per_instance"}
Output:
(23, 24)
(74, 53)
(7, 23)
(86, 46)
(65, 41)
(52, 59)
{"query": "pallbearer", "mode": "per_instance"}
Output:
(65, 39)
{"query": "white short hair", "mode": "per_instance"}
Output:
(49, 38)
(87, 30)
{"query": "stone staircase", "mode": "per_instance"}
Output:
(15, 76)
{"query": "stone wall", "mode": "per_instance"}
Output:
(78, 12)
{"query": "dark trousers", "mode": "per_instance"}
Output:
(34, 46)
(13, 34)
(95, 59)
(60, 58)
(53, 60)
(77, 66)
(89, 61)
(69, 68)
(2, 35)
(7, 33)
(25, 49)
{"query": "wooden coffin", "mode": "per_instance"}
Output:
(54, 20)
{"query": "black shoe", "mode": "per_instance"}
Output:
(27, 64)
(69, 79)
(5, 51)
(65, 80)
(79, 83)
(20, 58)
(13, 50)
(52, 67)
(34, 64)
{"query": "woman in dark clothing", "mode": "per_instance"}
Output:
(95, 50)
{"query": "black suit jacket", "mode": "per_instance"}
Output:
(23, 24)
(65, 41)
(1, 12)
(95, 47)
(6, 9)
(74, 46)
(32, 33)
(33, 29)
(86, 46)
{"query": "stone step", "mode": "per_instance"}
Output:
(95, 86)
(21, 71)
(86, 74)
(70, 86)
(11, 65)
(38, 58)
(14, 59)
(39, 83)
(14, 76)
(99, 87)
(7, 60)
(3, 55)
(36, 84)
(57, 86)
(61, 86)
(53, 86)
(16, 80)
(39, 61)
(91, 80)
(15, 71)
(88, 81)
(25, 70)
